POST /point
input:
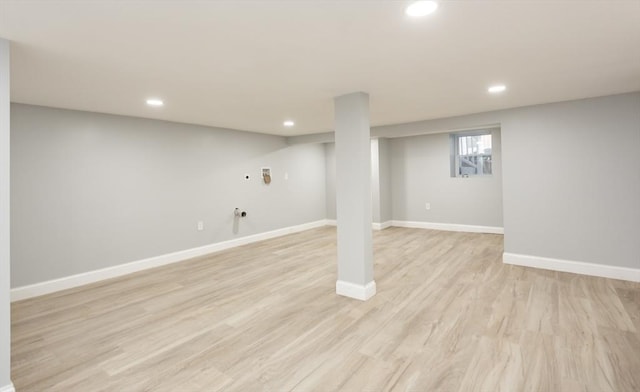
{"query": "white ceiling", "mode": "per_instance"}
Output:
(250, 65)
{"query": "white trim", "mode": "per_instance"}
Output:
(356, 291)
(374, 225)
(72, 281)
(576, 267)
(381, 226)
(7, 388)
(449, 227)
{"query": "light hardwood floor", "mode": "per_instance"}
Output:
(448, 316)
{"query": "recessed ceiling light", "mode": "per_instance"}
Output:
(497, 88)
(155, 102)
(289, 123)
(421, 8)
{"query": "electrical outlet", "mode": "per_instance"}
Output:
(427, 206)
(286, 176)
(200, 225)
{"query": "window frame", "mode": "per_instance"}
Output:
(455, 152)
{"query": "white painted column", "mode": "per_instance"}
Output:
(353, 196)
(5, 298)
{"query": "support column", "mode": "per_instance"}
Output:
(5, 297)
(353, 196)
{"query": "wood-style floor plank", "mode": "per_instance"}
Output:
(448, 316)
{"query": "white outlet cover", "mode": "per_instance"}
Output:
(427, 206)
(286, 176)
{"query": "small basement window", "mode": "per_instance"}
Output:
(471, 154)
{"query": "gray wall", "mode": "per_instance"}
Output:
(5, 314)
(384, 179)
(571, 184)
(420, 174)
(375, 180)
(330, 164)
(380, 180)
(91, 191)
(411, 171)
(572, 180)
(570, 175)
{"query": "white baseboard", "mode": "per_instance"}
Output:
(576, 267)
(356, 291)
(374, 225)
(449, 227)
(50, 286)
(430, 225)
(7, 388)
(381, 226)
